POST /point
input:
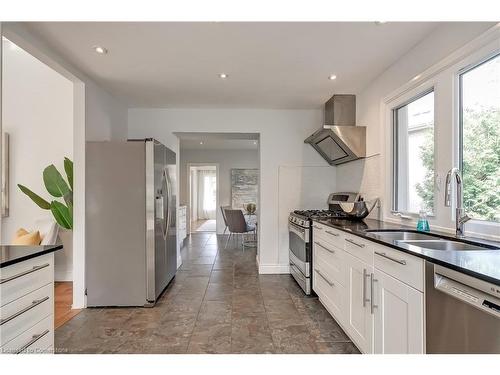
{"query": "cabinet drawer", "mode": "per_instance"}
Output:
(330, 293)
(407, 268)
(331, 259)
(326, 233)
(359, 248)
(37, 339)
(23, 313)
(22, 278)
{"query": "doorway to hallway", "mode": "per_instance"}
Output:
(203, 187)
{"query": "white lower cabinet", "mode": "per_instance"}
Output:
(374, 292)
(359, 322)
(27, 306)
(399, 321)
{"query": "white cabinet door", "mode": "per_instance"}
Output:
(399, 320)
(359, 317)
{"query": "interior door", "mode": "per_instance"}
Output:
(399, 321)
(359, 316)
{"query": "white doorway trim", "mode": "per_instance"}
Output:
(190, 203)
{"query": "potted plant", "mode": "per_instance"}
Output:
(61, 205)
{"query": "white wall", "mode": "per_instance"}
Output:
(97, 115)
(282, 134)
(226, 160)
(38, 115)
(366, 175)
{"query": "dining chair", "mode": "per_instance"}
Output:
(237, 225)
(223, 208)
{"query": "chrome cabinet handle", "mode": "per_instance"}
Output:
(35, 268)
(330, 232)
(324, 247)
(316, 227)
(34, 339)
(365, 276)
(355, 243)
(20, 312)
(384, 255)
(324, 277)
(372, 293)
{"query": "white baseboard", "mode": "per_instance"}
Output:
(274, 269)
(179, 261)
(63, 275)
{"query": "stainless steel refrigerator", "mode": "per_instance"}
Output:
(131, 245)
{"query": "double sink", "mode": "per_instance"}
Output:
(426, 241)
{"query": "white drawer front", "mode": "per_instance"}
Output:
(330, 293)
(37, 339)
(359, 248)
(331, 259)
(23, 313)
(404, 267)
(24, 277)
(326, 233)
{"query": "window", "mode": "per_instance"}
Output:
(479, 144)
(413, 155)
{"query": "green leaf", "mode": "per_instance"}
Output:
(54, 182)
(40, 202)
(62, 214)
(68, 167)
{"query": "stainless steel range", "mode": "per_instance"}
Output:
(300, 236)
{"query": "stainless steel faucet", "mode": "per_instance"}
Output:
(460, 216)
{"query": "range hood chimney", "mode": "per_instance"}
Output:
(340, 141)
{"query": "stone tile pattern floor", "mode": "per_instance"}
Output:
(217, 303)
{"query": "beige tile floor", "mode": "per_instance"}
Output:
(217, 303)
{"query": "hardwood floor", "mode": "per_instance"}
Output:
(63, 296)
(203, 226)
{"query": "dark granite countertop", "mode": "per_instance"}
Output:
(12, 254)
(483, 264)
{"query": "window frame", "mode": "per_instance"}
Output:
(459, 123)
(395, 155)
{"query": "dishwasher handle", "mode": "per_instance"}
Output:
(467, 294)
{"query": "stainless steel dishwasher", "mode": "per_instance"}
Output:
(462, 312)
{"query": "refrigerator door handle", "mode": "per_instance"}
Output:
(167, 209)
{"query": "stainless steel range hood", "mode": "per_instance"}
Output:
(340, 140)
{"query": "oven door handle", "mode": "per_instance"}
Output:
(299, 231)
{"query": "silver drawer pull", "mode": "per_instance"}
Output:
(324, 277)
(400, 261)
(324, 247)
(35, 268)
(355, 243)
(330, 232)
(316, 227)
(20, 312)
(34, 339)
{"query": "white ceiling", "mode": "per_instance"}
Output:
(270, 65)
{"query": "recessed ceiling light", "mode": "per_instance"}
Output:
(223, 75)
(332, 77)
(100, 50)
(201, 143)
(254, 142)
